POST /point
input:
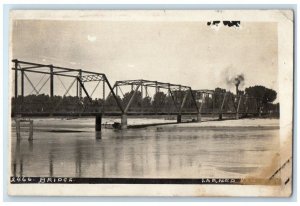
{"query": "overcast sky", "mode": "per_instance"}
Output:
(187, 53)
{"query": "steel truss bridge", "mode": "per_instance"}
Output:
(181, 100)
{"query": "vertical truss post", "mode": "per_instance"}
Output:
(146, 90)
(168, 105)
(51, 81)
(103, 97)
(22, 84)
(213, 102)
(246, 106)
(156, 87)
(142, 97)
(131, 86)
(16, 79)
(80, 87)
(77, 91)
(180, 94)
(221, 108)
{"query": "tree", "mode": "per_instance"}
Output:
(111, 103)
(159, 100)
(265, 95)
(218, 97)
(262, 94)
(146, 102)
(136, 102)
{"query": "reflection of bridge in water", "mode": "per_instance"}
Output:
(139, 97)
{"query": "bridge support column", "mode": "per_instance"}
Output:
(179, 118)
(98, 122)
(123, 121)
(220, 116)
(199, 117)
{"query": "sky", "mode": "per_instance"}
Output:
(188, 53)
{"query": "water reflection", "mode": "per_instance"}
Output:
(17, 160)
(98, 135)
(51, 164)
(189, 153)
(78, 157)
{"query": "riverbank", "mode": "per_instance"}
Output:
(253, 122)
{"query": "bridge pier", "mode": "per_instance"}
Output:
(179, 118)
(199, 117)
(123, 121)
(98, 122)
(220, 116)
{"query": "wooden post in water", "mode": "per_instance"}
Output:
(29, 126)
(98, 122)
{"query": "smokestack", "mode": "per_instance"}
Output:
(237, 89)
(237, 81)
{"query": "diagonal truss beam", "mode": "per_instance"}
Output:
(173, 99)
(38, 82)
(43, 84)
(31, 83)
(84, 89)
(64, 95)
(131, 99)
(95, 88)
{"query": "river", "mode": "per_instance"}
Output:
(71, 148)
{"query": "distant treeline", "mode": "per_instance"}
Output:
(259, 98)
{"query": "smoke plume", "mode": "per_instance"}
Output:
(236, 80)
